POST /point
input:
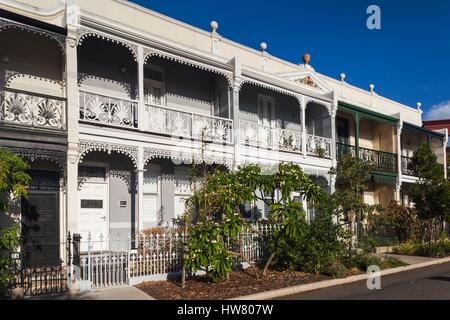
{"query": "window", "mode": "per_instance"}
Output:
(154, 87)
(151, 194)
(266, 110)
(183, 189)
(91, 204)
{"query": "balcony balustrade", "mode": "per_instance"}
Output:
(405, 164)
(319, 146)
(257, 135)
(108, 110)
(261, 136)
(382, 161)
(32, 109)
(189, 125)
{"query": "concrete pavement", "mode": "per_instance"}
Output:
(117, 293)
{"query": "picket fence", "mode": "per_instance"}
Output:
(145, 257)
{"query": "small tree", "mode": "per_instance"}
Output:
(431, 194)
(14, 182)
(352, 179)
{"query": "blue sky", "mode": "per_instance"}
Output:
(408, 60)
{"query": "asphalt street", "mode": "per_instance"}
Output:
(431, 283)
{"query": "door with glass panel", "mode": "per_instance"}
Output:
(154, 88)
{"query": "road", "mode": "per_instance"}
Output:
(425, 283)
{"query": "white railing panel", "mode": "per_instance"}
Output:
(190, 125)
(318, 146)
(108, 110)
(31, 109)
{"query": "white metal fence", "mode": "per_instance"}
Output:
(147, 257)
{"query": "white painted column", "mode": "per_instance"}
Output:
(235, 115)
(333, 134)
(140, 190)
(72, 131)
(445, 152)
(142, 123)
(304, 133)
(399, 161)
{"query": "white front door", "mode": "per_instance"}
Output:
(94, 215)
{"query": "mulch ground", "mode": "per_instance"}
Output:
(240, 283)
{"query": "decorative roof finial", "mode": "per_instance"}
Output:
(263, 46)
(418, 105)
(306, 58)
(342, 76)
(214, 26)
(371, 87)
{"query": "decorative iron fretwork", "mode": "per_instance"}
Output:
(380, 160)
(31, 110)
(318, 146)
(107, 110)
(83, 76)
(59, 38)
(150, 52)
(187, 157)
(84, 32)
(10, 75)
(261, 136)
(86, 146)
(182, 124)
(327, 105)
(55, 156)
(126, 176)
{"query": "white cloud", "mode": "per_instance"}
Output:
(439, 111)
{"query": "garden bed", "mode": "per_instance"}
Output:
(240, 283)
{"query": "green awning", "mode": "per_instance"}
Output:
(368, 114)
(384, 178)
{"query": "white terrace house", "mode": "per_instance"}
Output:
(110, 103)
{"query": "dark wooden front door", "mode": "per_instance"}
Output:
(40, 221)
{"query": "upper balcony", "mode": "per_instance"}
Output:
(277, 121)
(31, 82)
(161, 95)
(370, 136)
(411, 139)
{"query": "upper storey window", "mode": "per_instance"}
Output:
(154, 85)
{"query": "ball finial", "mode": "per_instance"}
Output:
(371, 87)
(342, 76)
(418, 105)
(306, 58)
(214, 26)
(263, 46)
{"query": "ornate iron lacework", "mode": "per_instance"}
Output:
(59, 38)
(84, 76)
(10, 75)
(323, 103)
(126, 176)
(186, 157)
(86, 146)
(148, 53)
(83, 33)
(55, 156)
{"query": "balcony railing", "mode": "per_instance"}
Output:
(319, 146)
(32, 109)
(257, 135)
(108, 110)
(382, 161)
(189, 125)
(405, 164)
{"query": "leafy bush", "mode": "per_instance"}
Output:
(439, 249)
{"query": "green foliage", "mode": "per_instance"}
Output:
(431, 195)
(319, 248)
(14, 182)
(439, 249)
(362, 260)
(352, 179)
(9, 240)
(214, 209)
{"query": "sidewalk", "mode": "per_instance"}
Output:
(411, 260)
(118, 293)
